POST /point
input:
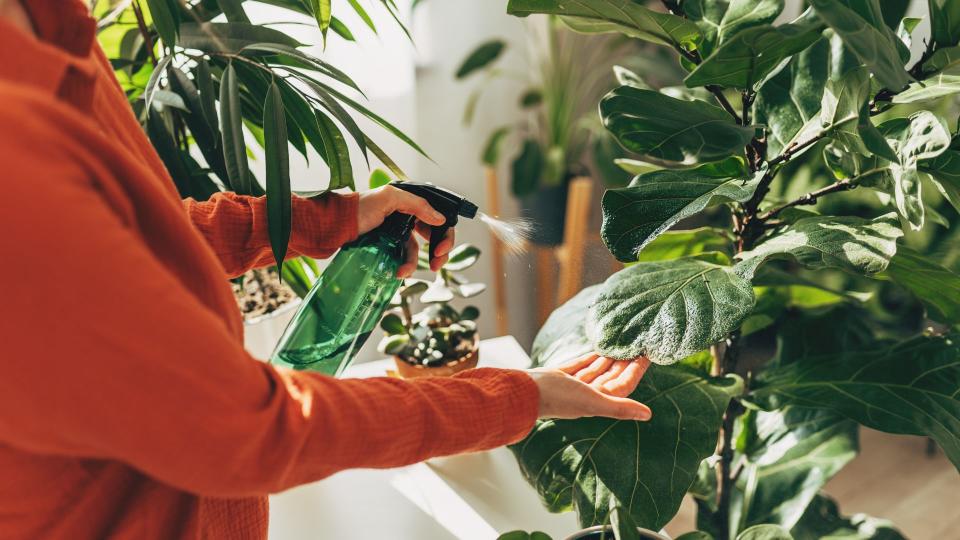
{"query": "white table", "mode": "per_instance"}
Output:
(469, 497)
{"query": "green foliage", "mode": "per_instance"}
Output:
(861, 295)
(481, 57)
(214, 86)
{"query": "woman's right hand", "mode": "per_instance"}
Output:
(575, 390)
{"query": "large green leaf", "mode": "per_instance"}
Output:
(874, 47)
(942, 84)
(667, 310)
(796, 452)
(481, 57)
(936, 286)
(746, 58)
(645, 468)
(852, 243)
(625, 16)
(653, 124)
(942, 59)
(277, 160)
(921, 136)
(765, 532)
(719, 20)
(635, 215)
(230, 37)
(909, 387)
(944, 171)
(790, 99)
(231, 129)
(823, 521)
(166, 19)
(563, 336)
(944, 22)
(676, 244)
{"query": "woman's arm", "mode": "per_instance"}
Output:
(107, 356)
(235, 226)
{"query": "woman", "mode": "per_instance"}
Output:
(128, 407)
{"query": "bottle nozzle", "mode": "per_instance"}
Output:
(452, 205)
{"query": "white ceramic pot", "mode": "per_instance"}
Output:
(260, 335)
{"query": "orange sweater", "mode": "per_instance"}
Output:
(128, 407)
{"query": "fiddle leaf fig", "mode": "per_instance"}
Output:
(870, 44)
(668, 310)
(823, 520)
(796, 452)
(650, 123)
(943, 84)
(765, 532)
(587, 464)
(624, 16)
(856, 244)
(563, 336)
(718, 20)
(635, 215)
(935, 285)
(909, 387)
(746, 58)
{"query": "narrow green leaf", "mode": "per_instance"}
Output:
(635, 215)
(852, 243)
(481, 57)
(336, 152)
(208, 95)
(387, 160)
(667, 310)
(206, 135)
(650, 123)
(229, 37)
(166, 19)
(279, 204)
(363, 15)
(153, 84)
(323, 15)
(233, 9)
(231, 129)
(341, 29)
(944, 22)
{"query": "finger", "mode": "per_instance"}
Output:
(627, 382)
(409, 265)
(575, 365)
(621, 408)
(409, 203)
(612, 373)
(591, 372)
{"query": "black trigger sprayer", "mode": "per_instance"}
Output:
(349, 297)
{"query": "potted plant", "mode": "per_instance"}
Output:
(439, 340)
(768, 357)
(557, 102)
(204, 87)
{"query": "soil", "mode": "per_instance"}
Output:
(260, 292)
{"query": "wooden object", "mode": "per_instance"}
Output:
(496, 254)
(575, 232)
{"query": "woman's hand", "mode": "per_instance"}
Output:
(377, 204)
(592, 386)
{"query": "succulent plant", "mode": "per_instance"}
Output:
(439, 333)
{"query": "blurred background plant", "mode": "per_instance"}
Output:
(212, 91)
(558, 131)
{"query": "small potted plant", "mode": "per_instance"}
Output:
(439, 340)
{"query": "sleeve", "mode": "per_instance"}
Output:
(235, 226)
(107, 356)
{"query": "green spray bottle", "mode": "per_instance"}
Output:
(347, 301)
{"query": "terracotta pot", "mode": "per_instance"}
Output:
(406, 370)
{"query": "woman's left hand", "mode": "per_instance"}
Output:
(614, 377)
(375, 205)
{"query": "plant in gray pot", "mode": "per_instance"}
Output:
(558, 130)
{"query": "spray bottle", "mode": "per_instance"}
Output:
(347, 301)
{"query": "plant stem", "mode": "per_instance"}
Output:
(724, 102)
(142, 26)
(725, 474)
(811, 198)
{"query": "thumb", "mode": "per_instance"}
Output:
(418, 207)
